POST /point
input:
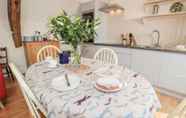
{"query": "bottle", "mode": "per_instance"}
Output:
(39, 36)
(132, 40)
(124, 39)
(36, 36)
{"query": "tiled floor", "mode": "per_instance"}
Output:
(16, 106)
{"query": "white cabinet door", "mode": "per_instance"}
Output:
(124, 56)
(88, 51)
(173, 72)
(147, 63)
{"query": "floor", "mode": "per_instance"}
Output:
(16, 106)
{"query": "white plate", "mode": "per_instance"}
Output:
(60, 84)
(108, 82)
(108, 71)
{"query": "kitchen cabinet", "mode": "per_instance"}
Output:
(148, 63)
(31, 49)
(88, 51)
(173, 73)
(124, 56)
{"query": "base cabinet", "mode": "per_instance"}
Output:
(173, 73)
(148, 64)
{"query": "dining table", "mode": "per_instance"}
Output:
(136, 99)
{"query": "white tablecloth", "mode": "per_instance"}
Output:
(136, 100)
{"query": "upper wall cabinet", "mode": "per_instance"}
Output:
(14, 15)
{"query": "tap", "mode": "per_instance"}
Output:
(156, 38)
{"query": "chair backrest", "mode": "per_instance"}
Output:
(106, 56)
(47, 51)
(180, 111)
(31, 101)
(3, 55)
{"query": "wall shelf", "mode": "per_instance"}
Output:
(183, 13)
(161, 1)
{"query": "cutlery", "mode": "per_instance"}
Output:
(55, 69)
(67, 80)
(47, 71)
(89, 73)
(80, 101)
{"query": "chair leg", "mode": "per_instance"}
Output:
(1, 105)
(10, 75)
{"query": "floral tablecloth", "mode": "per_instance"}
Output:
(137, 99)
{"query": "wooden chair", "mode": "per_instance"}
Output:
(106, 56)
(2, 88)
(48, 51)
(4, 62)
(179, 112)
(32, 103)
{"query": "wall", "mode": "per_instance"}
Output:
(171, 28)
(86, 6)
(102, 30)
(35, 15)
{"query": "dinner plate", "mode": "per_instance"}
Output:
(108, 82)
(60, 84)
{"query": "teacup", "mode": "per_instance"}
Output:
(51, 62)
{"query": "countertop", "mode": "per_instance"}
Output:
(170, 50)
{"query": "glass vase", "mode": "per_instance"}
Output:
(76, 58)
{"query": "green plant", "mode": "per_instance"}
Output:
(73, 30)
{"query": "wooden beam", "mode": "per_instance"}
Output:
(14, 15)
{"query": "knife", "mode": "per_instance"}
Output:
(67, 80)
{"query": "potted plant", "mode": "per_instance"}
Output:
(73, 30)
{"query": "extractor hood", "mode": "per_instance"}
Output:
(112, 9)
